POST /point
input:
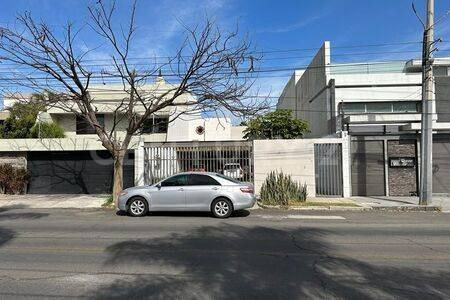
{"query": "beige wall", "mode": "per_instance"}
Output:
(288, 99)
(296, 158)
(17, 159)
(293, 157)
(312, 100)
(66, 122)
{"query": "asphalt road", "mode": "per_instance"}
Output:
(97, 254)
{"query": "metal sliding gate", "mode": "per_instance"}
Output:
(328, 169)
(233, 159)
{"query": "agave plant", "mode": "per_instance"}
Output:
(279, 189)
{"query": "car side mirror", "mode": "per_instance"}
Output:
(158, 186)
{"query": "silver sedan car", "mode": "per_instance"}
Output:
(191, 191)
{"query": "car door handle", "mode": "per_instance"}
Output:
(181, 189)
(215, 188)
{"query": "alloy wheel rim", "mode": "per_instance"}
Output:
(221, 208)
(137, 207)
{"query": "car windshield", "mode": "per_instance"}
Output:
(227, 178)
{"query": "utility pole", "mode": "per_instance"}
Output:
(426, 141)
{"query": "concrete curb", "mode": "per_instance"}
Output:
(315, 208)
(401, 208)
(408, 208)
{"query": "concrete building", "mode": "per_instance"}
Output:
(378, 104)
(106, 98)
(79, 163)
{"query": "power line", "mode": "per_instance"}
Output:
(262, 52)
(259, 59)
(242, 71)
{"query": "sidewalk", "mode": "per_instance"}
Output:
(400, 202)
(96, 201)
(53, 201)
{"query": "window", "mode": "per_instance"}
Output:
(84, 127)
(381, 107)
(197, 179)
(440, 71)
(227, 178)
(406, 107)
(356, 107)
(232, 167)
(155, 125)
(177, 180)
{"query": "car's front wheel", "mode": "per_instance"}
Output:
(222, 208)
(138, 207)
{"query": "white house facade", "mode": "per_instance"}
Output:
(378, 104)
(78, 163)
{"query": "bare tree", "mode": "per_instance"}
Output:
(217, 68)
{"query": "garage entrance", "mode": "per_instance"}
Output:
(75, 172)
(367, 168)
(441, 165)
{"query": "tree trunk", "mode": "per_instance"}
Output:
(118, 176)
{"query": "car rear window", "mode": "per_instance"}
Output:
(227, 178)
(197, 179)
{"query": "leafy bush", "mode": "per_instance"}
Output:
(109, 201)
(278, 124)
(21, 123)
(47, 130)
(279, 189)
(13, 180)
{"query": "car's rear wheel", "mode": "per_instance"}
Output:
(138, 207)
(222, 208)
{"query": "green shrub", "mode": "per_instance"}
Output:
(13, 180)
(303, 192)
(46, 130)
(20, 121)
(109, 201)
(279, 189)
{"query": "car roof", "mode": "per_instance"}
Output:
(213, 174)
(194, 172)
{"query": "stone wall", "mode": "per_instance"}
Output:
(402, 181)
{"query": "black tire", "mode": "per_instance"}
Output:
(221, 208)
(137, 207)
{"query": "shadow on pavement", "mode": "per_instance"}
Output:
(236, 214)
(6, 215)
(11, 207)
(6, 234)
(236, 262)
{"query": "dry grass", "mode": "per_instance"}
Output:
(321, 204)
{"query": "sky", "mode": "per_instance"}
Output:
(271, 25)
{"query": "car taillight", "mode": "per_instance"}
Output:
(247, 189)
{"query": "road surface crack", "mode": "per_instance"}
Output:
(426, 247)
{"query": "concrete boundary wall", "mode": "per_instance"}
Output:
(296, 158)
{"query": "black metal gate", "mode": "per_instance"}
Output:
(328, 169)
(367, 159)
(233, 159)
(75, 172)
